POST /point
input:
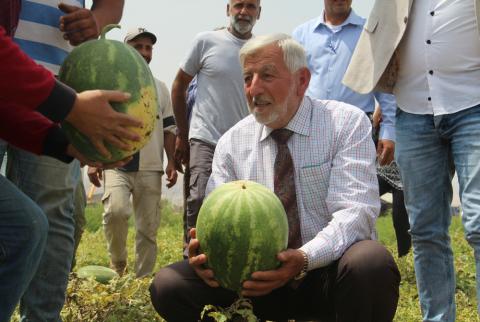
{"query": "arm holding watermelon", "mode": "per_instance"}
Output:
(21, 100)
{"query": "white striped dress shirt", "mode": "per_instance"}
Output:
(335, 176)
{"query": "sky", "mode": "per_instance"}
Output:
(175, 23)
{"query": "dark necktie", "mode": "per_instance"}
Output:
(284, 185)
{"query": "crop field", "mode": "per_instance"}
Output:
(126, 299)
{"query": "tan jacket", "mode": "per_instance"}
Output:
(374, 64)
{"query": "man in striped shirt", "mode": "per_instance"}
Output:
(47, 31)
(339, 272)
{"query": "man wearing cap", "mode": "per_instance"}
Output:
(220, 102)
(140, 179)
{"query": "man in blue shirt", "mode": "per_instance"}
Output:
(329, 41)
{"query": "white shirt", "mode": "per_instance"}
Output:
(335, 176)
(439, 58)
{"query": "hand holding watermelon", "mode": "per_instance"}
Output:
(262, 283)
(93, 115)
(198, 261)
(111, 65)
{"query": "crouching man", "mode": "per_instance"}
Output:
(319, 158)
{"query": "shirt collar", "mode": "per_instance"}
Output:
(353, 19)
(299, 124)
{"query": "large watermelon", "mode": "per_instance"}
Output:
(241, 228)
(111, 65)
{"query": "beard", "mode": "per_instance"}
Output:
(241, 25)
(276, 110)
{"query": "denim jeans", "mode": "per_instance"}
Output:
(51, 184)
(428, 151)
(23, 233)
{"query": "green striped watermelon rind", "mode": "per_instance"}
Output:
(112, 65)
(101, 274)
(241, 227)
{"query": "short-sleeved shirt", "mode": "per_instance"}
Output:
(38, 33)
(220, 100)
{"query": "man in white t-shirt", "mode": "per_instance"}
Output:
(140, 179)
(428, 54)
(220, 101)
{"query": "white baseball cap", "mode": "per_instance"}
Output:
(135, 32)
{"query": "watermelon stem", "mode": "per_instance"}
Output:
(107, 28)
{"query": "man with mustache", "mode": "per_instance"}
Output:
(220, 101)
(332, 269)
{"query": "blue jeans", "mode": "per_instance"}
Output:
(23, 233)
(428, 151)
(51, 184)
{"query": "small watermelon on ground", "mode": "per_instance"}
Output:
(241, 227)
(101, 274)
(112, 65)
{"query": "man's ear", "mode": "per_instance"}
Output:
(259, 11)
(228, 9)
(303, 80)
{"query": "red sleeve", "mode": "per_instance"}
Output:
(27, 84)
(20, 75)
(33, 132)
(24, 128)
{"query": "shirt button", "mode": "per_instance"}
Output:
(429, 98)
(429, 41)
(405, 20)
(430, 72)
(432, 13)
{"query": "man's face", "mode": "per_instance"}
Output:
(338, 7)
(144, 45)
(243, 15)
(270, 87)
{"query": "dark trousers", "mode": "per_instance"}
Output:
(399, 217)
(200, 168)
(362, 286)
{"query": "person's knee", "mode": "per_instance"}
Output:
(116, 210)
(370, 264)
(162, 291)
(37, 224)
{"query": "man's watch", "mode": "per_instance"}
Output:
(304, 270)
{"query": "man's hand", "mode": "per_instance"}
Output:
(385, 151)
(262, 283)
(198, 260)
(95, 175)
(71, 151)
(78, 25)
(182, 150)
(171, 174)
(93, 115)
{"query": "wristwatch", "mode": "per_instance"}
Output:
(304, 270)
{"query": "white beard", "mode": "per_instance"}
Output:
(242, 27)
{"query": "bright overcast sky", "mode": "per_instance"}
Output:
(176, 22)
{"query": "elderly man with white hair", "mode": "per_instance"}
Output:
(333, 268)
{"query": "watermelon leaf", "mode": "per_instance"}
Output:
(241, 310)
